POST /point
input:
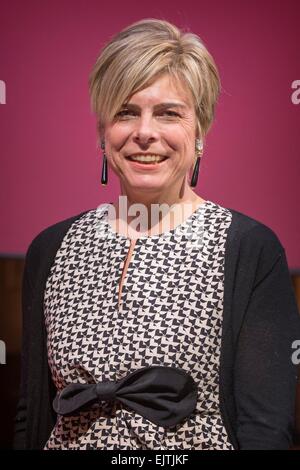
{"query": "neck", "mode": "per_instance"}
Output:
(184, 203)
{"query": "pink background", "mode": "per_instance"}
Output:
(50, 166)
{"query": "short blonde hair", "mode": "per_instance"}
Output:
(143, 51)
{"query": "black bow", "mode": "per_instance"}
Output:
(163, 395)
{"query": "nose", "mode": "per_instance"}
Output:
(145, 131)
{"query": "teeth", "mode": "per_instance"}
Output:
(147, 158)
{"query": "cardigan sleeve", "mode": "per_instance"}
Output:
(34, 416)
(264, 375)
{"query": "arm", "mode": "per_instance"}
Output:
(265, 376)
(34, 416)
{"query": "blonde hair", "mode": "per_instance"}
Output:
(140, 53)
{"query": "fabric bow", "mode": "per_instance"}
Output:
(163, 395)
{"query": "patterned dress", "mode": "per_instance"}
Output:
(170, 315)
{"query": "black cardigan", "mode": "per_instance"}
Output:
(260, 323)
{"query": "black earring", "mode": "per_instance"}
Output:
(199, 150)
(104, 175)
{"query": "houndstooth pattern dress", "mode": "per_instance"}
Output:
(170, 315)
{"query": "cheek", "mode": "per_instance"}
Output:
(187, 149)
(185, 136)
(115, 138)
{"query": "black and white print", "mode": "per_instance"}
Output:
(170, 315)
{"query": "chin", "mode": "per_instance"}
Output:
(146, 182)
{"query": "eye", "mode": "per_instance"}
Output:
(128, 112)
(124, 113)
(171, 113)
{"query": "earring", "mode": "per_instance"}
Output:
(104, 175)
(199, 151)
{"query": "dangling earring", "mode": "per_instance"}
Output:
(104, 175)
(199, 151)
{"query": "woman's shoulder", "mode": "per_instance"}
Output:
(56, 231)
(249, 230)
(253, 249)
(49, 239)
(253, 245)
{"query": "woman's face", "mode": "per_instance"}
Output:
(158, 120)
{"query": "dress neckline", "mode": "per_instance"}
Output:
(179, 228)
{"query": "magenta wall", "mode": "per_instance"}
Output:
(50, 166)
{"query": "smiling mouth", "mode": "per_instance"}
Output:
(147, 160)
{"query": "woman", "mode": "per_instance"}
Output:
(175, 333)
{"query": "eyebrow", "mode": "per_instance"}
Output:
(157, 106)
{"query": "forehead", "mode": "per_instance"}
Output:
(163, 89)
